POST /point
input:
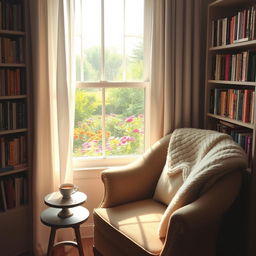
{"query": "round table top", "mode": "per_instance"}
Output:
(56, 200)
(50, 217)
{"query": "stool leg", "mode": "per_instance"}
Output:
(51, 241)
(79, 241)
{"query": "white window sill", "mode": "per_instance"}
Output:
(92, 164)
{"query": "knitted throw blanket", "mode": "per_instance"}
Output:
(202, 156)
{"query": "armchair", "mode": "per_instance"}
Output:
(127, 221)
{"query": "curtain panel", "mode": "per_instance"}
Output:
(52, 68)
(178, 65)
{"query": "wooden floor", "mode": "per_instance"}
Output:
(87, 246)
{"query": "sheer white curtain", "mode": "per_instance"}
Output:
(177, 73)
(52, 69)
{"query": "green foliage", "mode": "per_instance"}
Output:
(135, 71)
(87, 104)
(138, 53)
(113, 65)
(125, 101)
(91, 65)
(92, 56)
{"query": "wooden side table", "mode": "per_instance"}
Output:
(65, 218)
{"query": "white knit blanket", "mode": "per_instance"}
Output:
(202, 156)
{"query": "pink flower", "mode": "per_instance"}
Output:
(129, 119)
(138, 131)
(125, 139)
(86, 145)
(130, 138)
(98, 150)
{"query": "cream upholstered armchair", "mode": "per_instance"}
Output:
(127, 221)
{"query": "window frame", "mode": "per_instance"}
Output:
(108, 161)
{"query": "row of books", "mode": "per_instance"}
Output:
(13, 115)
(240, 135)
(13, 192)
(12, 82)
(13, 152)
(237, 104)
(235, 29)
(11, 16)
(234, 67)
(12, 50)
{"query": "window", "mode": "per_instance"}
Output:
(111, 84)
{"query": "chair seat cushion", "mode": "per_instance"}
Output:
(138, 221)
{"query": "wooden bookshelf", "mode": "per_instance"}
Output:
(13, 97)
(232, 82)
(231, 44)
(15, 130)
(242, 124)
(18, 170)
(12, 32)
(230, 34)
(10, 65)
(245, 45)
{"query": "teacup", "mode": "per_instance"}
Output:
(67, 189)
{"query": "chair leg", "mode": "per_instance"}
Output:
(51, 241)
(79, 241)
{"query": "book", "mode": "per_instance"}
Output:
(252, 107)
(230, 103)
(239, 105)
(227, 67)
(223, 102)
(216, 109)
(3, 195)
(18, 181)
(246, 106)
(9, 192)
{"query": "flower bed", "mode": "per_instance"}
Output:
(124, 136)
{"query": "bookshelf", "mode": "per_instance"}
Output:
(15, 129)
(231, 72)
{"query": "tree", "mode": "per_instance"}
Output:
(135, 63)
(91, 64)
(86, 105)
(138, 53)
(125, 101)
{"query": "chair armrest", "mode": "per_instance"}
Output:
(137, 180)
(198, 223)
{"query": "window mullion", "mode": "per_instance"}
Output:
(103, 122)
(82, 41)
(102, 76)
(124, 60)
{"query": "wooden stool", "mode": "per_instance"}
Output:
(50, 218)
(65, 213)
